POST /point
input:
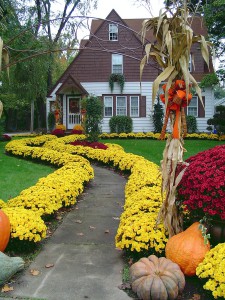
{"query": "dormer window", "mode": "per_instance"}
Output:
(113, 32)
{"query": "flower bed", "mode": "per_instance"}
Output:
(202, 188)
(137, 230)
(58, 189)
(155, 136)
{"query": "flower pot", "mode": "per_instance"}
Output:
(217, 231)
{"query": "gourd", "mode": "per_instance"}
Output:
(156, 278)
(187, 249)
(4, 230)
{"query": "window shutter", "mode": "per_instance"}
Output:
(201, 109)
(142, 106)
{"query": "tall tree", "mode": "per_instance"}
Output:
(42, 28)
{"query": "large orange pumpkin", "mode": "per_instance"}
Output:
(4, 230)
(187, 249)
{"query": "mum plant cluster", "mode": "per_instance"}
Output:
(156, 136)
(49, 194)
(137, 229)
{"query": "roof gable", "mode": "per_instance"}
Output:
(71, 84)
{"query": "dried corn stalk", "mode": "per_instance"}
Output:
(174, 38)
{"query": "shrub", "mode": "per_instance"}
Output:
(218, 119)
(93, 117)
(157, 117)
(202, 187)
(191, 124)
(121, 124)
(51, 120)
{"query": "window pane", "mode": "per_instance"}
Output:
(192, 111)
(121, 106)
(108, 111)
(113, 32)
(117, 69)
(117, 63)
(134, 104)
(108, 103)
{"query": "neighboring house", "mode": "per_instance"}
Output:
(219, 102)
(115, 46)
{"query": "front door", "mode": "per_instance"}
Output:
(73, 111)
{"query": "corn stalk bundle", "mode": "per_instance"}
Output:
(171, 50)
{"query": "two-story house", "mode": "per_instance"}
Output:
(115, 47)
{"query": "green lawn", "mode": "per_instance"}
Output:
(153, 149)
(17, 174)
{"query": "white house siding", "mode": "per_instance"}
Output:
(139, 124)
(209, 110)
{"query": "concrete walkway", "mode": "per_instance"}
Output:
(86, 264)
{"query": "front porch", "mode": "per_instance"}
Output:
(66, 103)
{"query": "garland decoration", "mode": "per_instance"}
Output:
(116, 78)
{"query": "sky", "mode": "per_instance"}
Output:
(127, 9)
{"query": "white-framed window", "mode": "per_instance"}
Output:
(192, 109)
(121, 106)
(117, 63)
(108, 106)
(113, 32)
(134, 106)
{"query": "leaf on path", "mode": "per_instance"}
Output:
(92, 227)
(6, 288)
(34, 272)
(124, 286)
(58, 218)
(107, 231)
(116, 218)
(49, 265)
(130, 262)
(80, 233)
(196, 297)
(78, 221)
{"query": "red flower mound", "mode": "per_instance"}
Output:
(95, 145)
(75, 131)
(58, 132)
(202, 188)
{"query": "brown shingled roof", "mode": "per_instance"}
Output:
(136, 25)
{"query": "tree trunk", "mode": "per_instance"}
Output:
(32, 116)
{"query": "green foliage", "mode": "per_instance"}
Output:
(2, 126)
(93, 118)
(209, 80)
(191, 124)
(157, 116)
(116, 78)
(121, 124)
(219, 93)
(51, 120)
(218, 119)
